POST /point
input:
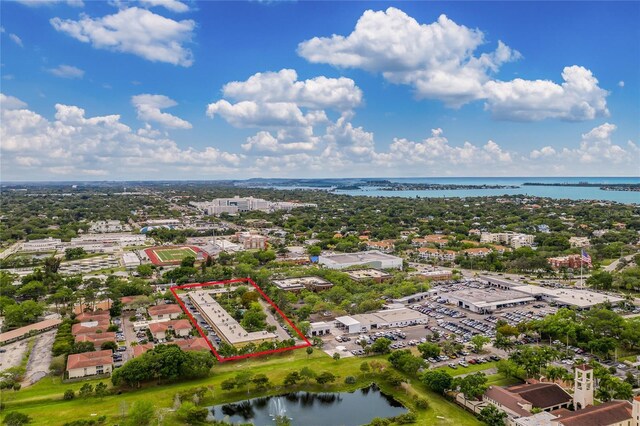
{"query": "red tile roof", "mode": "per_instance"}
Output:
(89, 327)
(164, 309)
(584, 367)
(140, 349)
(93, 316)
(181, 324)
(97, 338)
(89, 359)
(198, 344)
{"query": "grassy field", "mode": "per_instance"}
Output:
(174, 254)
(43, 401)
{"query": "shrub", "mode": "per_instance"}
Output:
(16, 418)
(69, 394)
(350, 380)
(422, 404)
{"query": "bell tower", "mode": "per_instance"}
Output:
(583, 387)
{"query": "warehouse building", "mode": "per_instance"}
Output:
(486, 300)
(373, 259)
(390, 318)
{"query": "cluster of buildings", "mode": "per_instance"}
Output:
(107, 226)
(488, 294)
(91, 243)
(238, 204)
(572, 261)
(548, 404)
(511, 239)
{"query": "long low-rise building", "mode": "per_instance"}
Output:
(375, 275)
(28, 330)
(390, 318)
(374, 259)
(226, 327)
(486, 300)
(576, 297)
(311, 283)
(89, 364)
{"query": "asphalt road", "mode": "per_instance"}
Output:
(40, 359)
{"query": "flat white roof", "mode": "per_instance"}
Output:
(569, 296)
(230, 329)
(364, 256)
(347, 320)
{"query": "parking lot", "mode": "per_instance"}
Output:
(447, 323)
(12, 354)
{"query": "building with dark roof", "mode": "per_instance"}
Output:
(518, 401)
(612, 413)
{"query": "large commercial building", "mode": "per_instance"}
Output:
(226, 327)
(238, 205)
(375, 275)
(311, 283)
(390, 318)
(578, 298)
(485, 300)
(374, 259)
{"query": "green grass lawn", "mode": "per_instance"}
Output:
(174, 254)
(43, 401)
(472, 368)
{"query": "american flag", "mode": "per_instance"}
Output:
(586, 258)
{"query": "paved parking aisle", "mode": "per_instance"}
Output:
(40, 359)
(13, 354)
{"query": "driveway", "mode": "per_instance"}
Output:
(40, 359)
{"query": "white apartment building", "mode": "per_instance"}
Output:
(513, 239)
(44, 244)
(579, 242)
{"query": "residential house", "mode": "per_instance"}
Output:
(163, 312)
(97, 338)
(89, 364)
(180, 328)
(385, 246)
(198, 344)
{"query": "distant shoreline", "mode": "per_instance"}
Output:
(634, 187)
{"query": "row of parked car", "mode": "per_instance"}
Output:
(437, 311)
(479, 326)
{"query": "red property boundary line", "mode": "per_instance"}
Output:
(259, 290)
(151, 253)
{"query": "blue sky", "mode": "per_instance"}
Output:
(158, 89)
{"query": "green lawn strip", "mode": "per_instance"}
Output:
(472, 368)
(44, 402)
(500, 380)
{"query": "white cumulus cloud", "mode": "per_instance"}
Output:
(578, 98)
(172, 5)
(149, 109)
(284, 86)
(436, 59)
(77, 145)
(136, 31)
(440, 61)
(67, 71)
